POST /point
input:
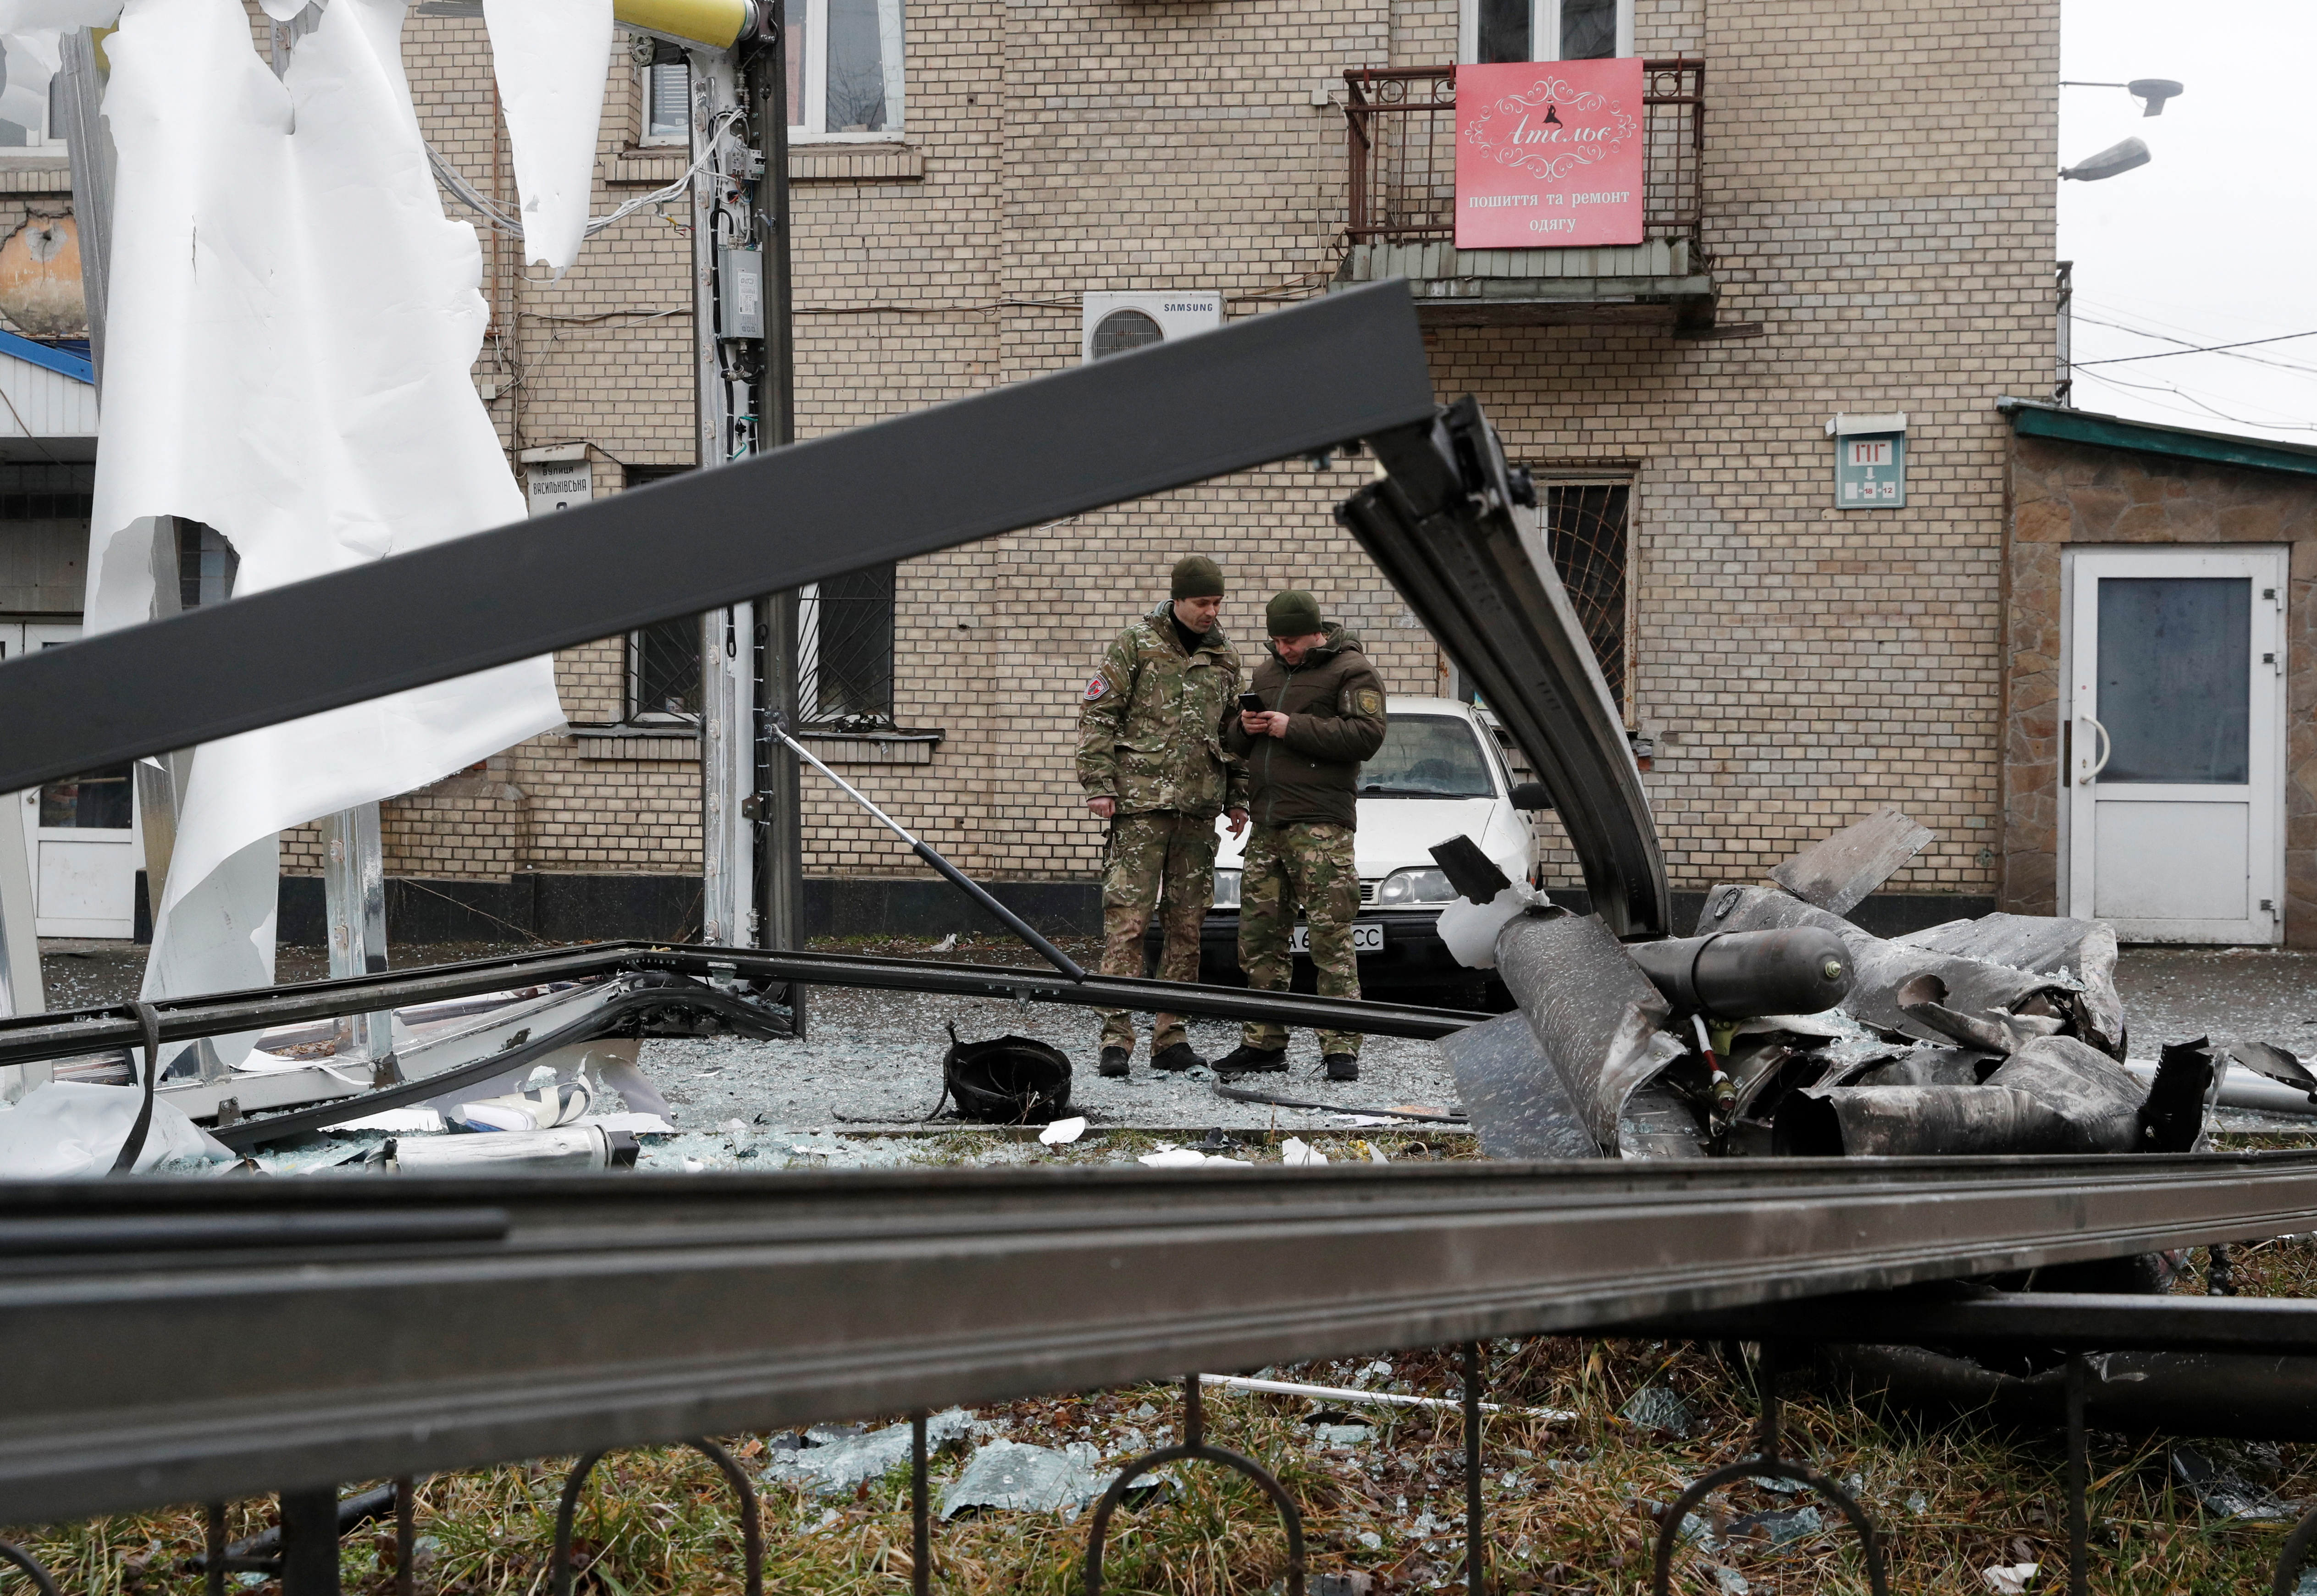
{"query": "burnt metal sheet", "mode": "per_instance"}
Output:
(1593, 1011)
(1922, 998)
(1515, 1100)
(1917, 1121)
(832, 1296)
(1442, 529)
(2082, 950)
(2094, 1096)
(1837, 872)
(1928, 1067)
(1267, 388)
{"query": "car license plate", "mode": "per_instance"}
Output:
(1367, 937)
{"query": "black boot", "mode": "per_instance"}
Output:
(1244, 1060)
(1343, 1067)
(1178, 1057)
(1113, 1063)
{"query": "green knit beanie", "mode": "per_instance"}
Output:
(1197, 578)
(1291, 614)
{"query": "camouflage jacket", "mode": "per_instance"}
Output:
(1151, 721)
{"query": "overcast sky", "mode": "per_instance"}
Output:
(2215, 239)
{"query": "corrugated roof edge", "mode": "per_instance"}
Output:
(2041, 418)
(64, 361)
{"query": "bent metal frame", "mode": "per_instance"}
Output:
(400, 1315)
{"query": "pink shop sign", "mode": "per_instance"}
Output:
(1549, 154)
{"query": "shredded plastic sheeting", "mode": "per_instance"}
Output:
(549, 56)
(294, 322)
(64, 1130)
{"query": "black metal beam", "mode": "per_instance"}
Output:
(1266, 388)
(2074, 1321)
(85, 1030)
(1442, 529)
(622, 1310)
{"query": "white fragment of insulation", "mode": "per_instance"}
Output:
(1061, 1133)
(1296, 1154)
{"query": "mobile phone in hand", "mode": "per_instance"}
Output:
(1251, 703)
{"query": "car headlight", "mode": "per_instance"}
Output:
(1226, 889)
(1426, 886)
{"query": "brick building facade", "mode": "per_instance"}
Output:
(1873, 215)
(1848, 220)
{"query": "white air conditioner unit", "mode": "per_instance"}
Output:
(1116, 323)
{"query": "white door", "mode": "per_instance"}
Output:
(81, 832)
(2174, 743)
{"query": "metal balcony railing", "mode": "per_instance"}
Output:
(1401, 138)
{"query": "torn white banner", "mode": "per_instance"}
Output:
(549, 56)
(293, 323)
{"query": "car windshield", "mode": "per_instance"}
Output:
(1426, 756)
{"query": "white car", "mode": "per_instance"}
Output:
(1439, 774)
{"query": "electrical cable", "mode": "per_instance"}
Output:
(2166, 354)
(2182, 394)
(499, 219)
(2214, 349)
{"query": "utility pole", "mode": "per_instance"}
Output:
(728, 317)
(780, 833)
(752, 855)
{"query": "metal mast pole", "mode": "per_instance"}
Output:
(780, 830)
(726, 314)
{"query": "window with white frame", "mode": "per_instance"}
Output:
(1544, 29)
(666, 85)
(32, 95)
(844, 68)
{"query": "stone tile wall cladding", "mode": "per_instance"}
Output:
(2067, 494)
(1879, 199)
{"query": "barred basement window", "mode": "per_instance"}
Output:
(1587, 527)
(663, 658)
(845, 651)
(663, 671)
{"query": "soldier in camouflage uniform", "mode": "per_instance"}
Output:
(1151, 760)
(1325, 716)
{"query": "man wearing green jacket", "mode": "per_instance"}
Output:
(1323, 714)
(1152, 761)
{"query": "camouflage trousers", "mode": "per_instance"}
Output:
(1310, 866)
(1163, 860)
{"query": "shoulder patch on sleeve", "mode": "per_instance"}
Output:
(1095, 688)
(1369, 701)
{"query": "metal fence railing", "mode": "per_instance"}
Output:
(1401, 139)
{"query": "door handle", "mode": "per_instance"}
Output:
(2106, 747)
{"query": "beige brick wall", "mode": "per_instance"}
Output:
(1880, 200)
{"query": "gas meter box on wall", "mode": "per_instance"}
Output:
(1870, 462)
